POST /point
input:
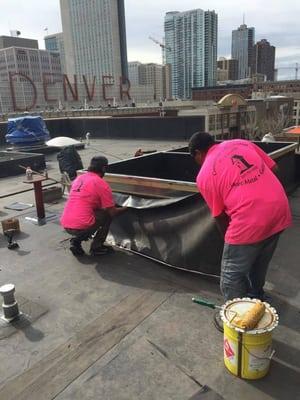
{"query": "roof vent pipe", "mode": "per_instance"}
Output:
(9, 306)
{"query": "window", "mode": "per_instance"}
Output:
(232, 120)
(211, 123)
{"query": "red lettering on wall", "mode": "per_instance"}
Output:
(73, 90)
(126, 91)
(46, 83)
(13, 94)
(91, 94)
(48, 80)
(107, 81)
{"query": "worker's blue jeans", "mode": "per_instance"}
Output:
(244, 268)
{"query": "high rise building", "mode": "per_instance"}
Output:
(167, 78)
(191, 39)
(95, 37)
(31, 62)
(134, 72)
(155, 75)
(264, 59)
(227, 69)
(26, 73)
(55, 43)
(242, 49)
(16, 41)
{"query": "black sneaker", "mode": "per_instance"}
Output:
(101, 251)
(108, 247)
(76, 248)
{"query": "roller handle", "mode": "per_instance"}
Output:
(205, 303)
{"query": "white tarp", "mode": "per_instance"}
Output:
(62, 141)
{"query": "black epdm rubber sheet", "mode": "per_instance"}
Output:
(179, 232)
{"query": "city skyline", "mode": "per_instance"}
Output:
(142, 20)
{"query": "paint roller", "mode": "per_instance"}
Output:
(248, 321)
(252, 317)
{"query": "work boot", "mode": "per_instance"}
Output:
(101, 250)
(76, 248)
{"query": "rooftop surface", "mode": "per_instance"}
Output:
(122, 327)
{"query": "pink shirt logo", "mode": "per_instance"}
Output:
(236, 178)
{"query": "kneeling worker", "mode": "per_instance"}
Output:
(90, 209)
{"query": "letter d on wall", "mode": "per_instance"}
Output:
(13, 93)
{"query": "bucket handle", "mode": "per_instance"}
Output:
(260, 358)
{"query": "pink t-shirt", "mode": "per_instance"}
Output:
(89, 193)
(236, 178)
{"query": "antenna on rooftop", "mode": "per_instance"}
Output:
(243, 18)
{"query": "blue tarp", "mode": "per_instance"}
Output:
(27, 130)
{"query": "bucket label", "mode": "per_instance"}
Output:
(259, 359)
(228, 350)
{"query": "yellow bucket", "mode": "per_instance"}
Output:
(248, 354)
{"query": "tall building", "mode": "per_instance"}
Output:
(16, 41)
(191, 39)
(95, 37)
(242, 49)
(55, 43)
(35, 64)
(264, 59)
(155, 75)
(134, 68)
(227, 69)
(158, 76)
(31, 62)
(167, 81)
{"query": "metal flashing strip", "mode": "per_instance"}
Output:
(280, 152)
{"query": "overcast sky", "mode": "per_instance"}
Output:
(275, 20)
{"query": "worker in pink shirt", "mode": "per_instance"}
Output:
(238, 182)
(89, 209)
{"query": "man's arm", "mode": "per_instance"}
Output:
(115, 211)
(222, 222)
(107, 201)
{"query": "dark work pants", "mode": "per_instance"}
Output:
(244, 268)
(100, 229)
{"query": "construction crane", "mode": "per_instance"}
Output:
(163, 47)
(296, 68)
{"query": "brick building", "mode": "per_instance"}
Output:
(228, 69)
(264, 59)
(215, 93)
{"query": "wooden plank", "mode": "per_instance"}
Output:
(50, 376)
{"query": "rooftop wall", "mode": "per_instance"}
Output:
(155, 128)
